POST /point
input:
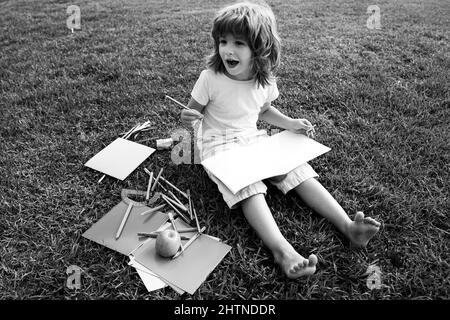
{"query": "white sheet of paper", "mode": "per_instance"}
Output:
(268, 157)
(151, 281)
(119, 158)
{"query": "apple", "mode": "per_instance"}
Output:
(167, 243)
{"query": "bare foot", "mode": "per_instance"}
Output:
(362, 229)
(294, 265)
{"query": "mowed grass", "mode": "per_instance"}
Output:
(379, 98)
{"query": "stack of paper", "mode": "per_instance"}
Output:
(184, 273)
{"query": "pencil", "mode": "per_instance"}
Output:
(155, 235)
(189, 242)
(188, 192)
(157, 178)
(101, 179)
(179, 206)
(149, 185)
(153, 209)
(124, 220)
(174, 227)
(196, 219)
(172, 221)
(174, 208)
(170, 184)
(126, 135)
(153, 178)
(175, 198)
(180, 230)
(179, 103)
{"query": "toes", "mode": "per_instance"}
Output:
(359, 217)
(312, 260)
(299, 266)
(372, 222)
(295, 268)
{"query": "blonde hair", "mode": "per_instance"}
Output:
(256, 24)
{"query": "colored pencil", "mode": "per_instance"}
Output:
(153, 209)
(193, 238)
(179, 103)
(124, 220)
(170, 184)
(157, 178)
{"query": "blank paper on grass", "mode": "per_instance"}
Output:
(266, 158)
(120, 158)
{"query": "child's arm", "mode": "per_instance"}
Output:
(188, 117)
(273, 116)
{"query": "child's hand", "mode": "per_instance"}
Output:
(189, 117)
(302, 126)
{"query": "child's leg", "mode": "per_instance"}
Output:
(359, 231)
(260, 218)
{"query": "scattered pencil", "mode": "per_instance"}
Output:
(180, 230)
(124, 220)
(101, 179)
(194, 237)
(172, 221)
(174, 197)
(157, 182)
(178, 190)
(137, 128)
(128, 133)
(153, 209)
(196, 219)
(174, 208)
(174, 227)
(157, 178)
(155, 235)
(149, 185)
(190, 204)
(176, 204)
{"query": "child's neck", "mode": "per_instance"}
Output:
(244, 77)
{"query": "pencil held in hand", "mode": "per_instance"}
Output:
(189, 117)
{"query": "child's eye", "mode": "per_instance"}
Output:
(240, 43)
(222, 41)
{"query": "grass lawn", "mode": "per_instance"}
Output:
(379, 98)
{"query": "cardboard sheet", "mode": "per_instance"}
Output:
(104, 231)
(120, 158)
(268, 157)
(190, 269)
(151, 281)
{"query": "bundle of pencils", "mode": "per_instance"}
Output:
(136, 129)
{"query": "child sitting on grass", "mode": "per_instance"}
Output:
(230, 96)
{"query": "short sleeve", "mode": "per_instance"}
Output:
(272, 92)
(200, 92)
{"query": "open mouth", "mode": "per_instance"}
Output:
(232, 63)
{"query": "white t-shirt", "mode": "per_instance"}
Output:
(231, 105)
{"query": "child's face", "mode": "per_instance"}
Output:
(236, 56)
